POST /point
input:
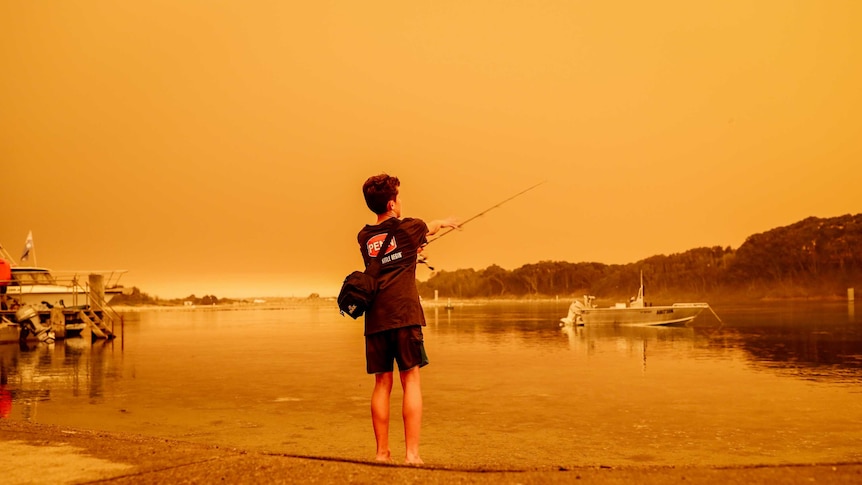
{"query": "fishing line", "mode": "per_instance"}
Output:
(423, 260)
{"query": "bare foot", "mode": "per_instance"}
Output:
(414, 460)
(384, 457)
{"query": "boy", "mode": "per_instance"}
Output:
(394, 321)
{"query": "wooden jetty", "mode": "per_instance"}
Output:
(61, 322)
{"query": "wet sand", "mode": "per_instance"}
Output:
(37, 453)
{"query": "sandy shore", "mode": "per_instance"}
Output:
(36, 453)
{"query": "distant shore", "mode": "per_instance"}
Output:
(268, 304)
(286, 303)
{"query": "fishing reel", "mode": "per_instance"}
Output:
(422, 259)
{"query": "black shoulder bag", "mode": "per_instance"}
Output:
(360, 287)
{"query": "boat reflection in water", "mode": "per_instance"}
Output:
(805, 341)
(30, 372)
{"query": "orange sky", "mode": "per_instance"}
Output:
(220, 147)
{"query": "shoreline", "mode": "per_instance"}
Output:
(289, 303)
(58, 454)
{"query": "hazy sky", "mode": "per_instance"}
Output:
(220, 146)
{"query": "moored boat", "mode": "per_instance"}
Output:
(36, 302)
(43, 289)
(636, 312)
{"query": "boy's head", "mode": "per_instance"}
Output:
(381, 194)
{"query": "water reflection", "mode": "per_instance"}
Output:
(507, 385)
(806, 341)
(31, 371)
(730, 388)
(815, 341)
(628, 340)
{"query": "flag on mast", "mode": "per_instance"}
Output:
(28, 246)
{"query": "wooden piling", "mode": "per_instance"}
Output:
(58, 323)
(97, 291)
(97, 300)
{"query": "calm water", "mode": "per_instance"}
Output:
(506, 385)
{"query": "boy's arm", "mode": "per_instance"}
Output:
(438, 224)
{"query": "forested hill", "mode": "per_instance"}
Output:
(813, 258)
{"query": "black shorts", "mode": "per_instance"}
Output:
(404, 345)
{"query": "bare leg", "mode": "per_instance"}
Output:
(412, 411)
(380, 414)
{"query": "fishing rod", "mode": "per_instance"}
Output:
(423, 260)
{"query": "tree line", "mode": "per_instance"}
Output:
(813, 258)
(137, 297)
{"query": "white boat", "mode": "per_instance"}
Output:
(43, 289)
(37, 298)
(633, 313)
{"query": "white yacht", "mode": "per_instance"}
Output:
(43, 289)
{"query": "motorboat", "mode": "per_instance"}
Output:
(44, 289)
(635, 312)
(35, 299)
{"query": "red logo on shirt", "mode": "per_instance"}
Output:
(375, 242)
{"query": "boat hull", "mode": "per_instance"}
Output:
(657, 315)
(53, 295)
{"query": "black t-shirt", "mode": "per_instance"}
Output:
(397, 303)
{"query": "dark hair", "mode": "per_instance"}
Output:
(379, 190)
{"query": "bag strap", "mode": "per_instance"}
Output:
(375, 264)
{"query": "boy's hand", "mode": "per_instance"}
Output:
(450, 222)
(436, 225)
